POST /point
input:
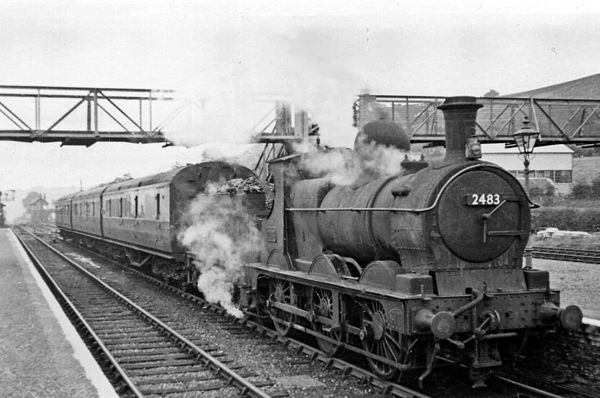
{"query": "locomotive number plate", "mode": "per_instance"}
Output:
(483, 199)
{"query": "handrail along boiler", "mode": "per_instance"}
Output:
(407, 267)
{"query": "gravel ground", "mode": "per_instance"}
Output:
(579, 283)
(268, 359)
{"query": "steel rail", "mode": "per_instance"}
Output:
(565, 387)
(297, 346)
(315, 354)
(62, 297)
(506, 380)
(526, 387)
(241, 383)
(565, 254)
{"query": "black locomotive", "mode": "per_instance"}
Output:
(407, 267)
(401, 269)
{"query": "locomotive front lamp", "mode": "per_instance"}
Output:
(525, 139)
(473, 149)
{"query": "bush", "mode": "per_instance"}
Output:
(581, 190)
(595, 188)
(539, 191)
(536, 191)
(566, 218)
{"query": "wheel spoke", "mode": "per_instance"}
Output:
(278, 291)
(323, 306)
(392, 354)
(382, 343)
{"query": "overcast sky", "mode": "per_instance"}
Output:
(316, 54)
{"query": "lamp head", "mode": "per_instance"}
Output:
(525, 138)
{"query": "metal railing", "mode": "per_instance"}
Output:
(559, 120)
(79, 115)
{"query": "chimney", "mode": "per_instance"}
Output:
(460, 114)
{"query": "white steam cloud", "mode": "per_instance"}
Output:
(345, 167)
(377, 160)
(222, 236)
(245, 68)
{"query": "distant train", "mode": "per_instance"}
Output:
(401, 268)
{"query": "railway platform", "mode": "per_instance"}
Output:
(41, 354)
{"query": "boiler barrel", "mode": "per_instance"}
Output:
(363, 235)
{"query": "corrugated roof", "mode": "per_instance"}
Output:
(584, 88)
(500, 148)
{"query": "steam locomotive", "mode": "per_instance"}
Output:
(401, 269)
(405, 268)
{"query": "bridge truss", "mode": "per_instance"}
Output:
(559, 120)
(79, 115)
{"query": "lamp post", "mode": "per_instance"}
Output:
(525, 139)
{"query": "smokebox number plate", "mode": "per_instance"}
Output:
(483, 199)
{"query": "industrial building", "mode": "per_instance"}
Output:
(553, 162)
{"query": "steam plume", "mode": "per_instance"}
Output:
(344, 167)
(222, 236)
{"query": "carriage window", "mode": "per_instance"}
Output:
(157, 206)
(93, 209)
(135, 200)
(120, 207)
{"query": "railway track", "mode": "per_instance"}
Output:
(145, 356)
(565, 254)
(349, 369)
(248, 325)
(346, 369)
(252, 327)
(564, 389)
